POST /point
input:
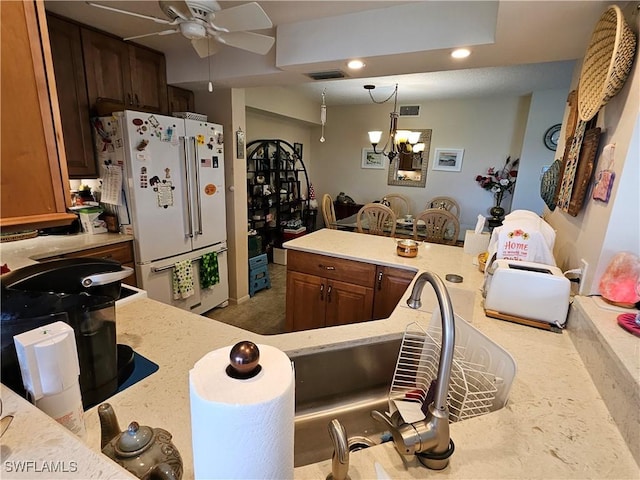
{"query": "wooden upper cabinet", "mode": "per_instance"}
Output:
(148, 80)
(68, 64)
(180, 99)
(127, 74)
(34, 184)
(107, 67)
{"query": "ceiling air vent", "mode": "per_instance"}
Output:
(409, 110)
(326, 75)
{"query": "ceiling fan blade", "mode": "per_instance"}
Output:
(163, 32)
(205, 46)
(252, 42)
(134, 14)
(249, 16)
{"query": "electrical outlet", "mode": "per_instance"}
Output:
(584, 266)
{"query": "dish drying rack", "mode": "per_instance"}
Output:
(473, 387)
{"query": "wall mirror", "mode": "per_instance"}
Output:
(409, 169)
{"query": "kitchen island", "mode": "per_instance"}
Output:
(555, 424)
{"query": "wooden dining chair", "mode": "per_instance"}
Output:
(398, 203)
(440, 226)
(376, 219)
(328, 212)
(447, 203)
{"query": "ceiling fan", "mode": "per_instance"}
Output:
(207, 25)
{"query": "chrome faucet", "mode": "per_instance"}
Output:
(429, 438)
(340, 458)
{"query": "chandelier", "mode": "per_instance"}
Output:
(398, 141)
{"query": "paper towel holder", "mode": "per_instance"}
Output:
(244, 360)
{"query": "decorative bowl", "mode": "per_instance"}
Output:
(407, 248)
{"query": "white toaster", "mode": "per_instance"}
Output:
(528, 290)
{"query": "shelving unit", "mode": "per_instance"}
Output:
(276, 181)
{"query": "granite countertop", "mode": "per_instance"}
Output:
(26, 252)
(555, 424)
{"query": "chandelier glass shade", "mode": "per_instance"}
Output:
(398, 141)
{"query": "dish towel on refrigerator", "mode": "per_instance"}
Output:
(209, 275)
(182, 280)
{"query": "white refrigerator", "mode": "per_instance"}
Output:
(172, 199)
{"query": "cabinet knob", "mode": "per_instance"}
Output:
(327, 267)
(322, 292)
(379, 281)
(329, 294)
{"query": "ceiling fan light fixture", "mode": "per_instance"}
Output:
(193, 30)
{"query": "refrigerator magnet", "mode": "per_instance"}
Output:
(210, 189)
(205, 162)
(200, 139)
(142, 145)
(167, 135)
(215, 162)
(153, 121)
(164, 191)
(144, 179)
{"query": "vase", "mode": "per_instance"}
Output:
(497, 212)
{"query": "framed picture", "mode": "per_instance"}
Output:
(448, 159)
(371, 159)
(297, 148)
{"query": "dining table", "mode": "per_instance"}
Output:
(404, 228)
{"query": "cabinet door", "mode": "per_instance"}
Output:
(106, 61)
(35, 186)
(180, 100)
(148, 80)
(68, 65)
(305, 301)
(391, 283)
(347, 303)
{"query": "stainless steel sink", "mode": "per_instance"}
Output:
(346, 383)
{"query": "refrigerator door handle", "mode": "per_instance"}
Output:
(167, 267)
(183, 140)
(198, 191)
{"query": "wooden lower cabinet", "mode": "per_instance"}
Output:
(315, 302)
(391, 283)
(325, 291)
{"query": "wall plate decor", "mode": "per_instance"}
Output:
(586, 162)
(551, 137)
(548, 184)
(606, 63)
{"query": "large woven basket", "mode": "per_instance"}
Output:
(607, 62)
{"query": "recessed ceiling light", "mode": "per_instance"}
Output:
(355, 64)
(460, 53)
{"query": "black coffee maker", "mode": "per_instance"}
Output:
(78, 291)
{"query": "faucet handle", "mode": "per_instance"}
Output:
(405, 437)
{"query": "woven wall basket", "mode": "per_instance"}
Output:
(607, 62)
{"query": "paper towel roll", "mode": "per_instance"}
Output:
(242, 428)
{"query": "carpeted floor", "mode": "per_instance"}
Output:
(263, 313)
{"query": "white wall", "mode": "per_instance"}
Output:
(488, 129)
(227, 107)
(547, 109)
(263, 126)
(600, 230)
